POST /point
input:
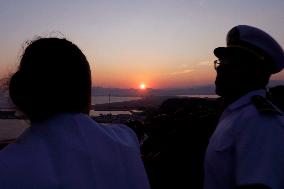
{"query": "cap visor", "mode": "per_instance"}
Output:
(220, 52)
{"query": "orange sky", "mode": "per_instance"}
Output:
(162, 43)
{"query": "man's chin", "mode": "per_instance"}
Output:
(219, 92)
(223, 92)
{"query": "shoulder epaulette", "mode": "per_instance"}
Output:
(263, 105)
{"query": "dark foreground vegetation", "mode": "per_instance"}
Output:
(174, 138)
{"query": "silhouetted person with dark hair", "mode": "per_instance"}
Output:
(247, 148)
(64, 147)
(276, 95)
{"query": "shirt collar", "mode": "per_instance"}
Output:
(246, 99)
(242, 101)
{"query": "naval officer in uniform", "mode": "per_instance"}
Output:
(247, 148)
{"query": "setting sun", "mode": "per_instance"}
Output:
(142, 86)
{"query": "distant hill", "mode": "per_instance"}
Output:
(101, 91)
(201, 90)
(275, 82)
(145, 102)
(198, 90)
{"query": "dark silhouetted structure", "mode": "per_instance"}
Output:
(64, 147)
(247, 146)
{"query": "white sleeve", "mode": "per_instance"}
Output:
(260, 153)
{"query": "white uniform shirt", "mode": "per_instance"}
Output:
(246, 148)
(74, 152)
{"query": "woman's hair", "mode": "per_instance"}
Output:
(53, 77)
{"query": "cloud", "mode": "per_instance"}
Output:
(181, 72)
(205, 63)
